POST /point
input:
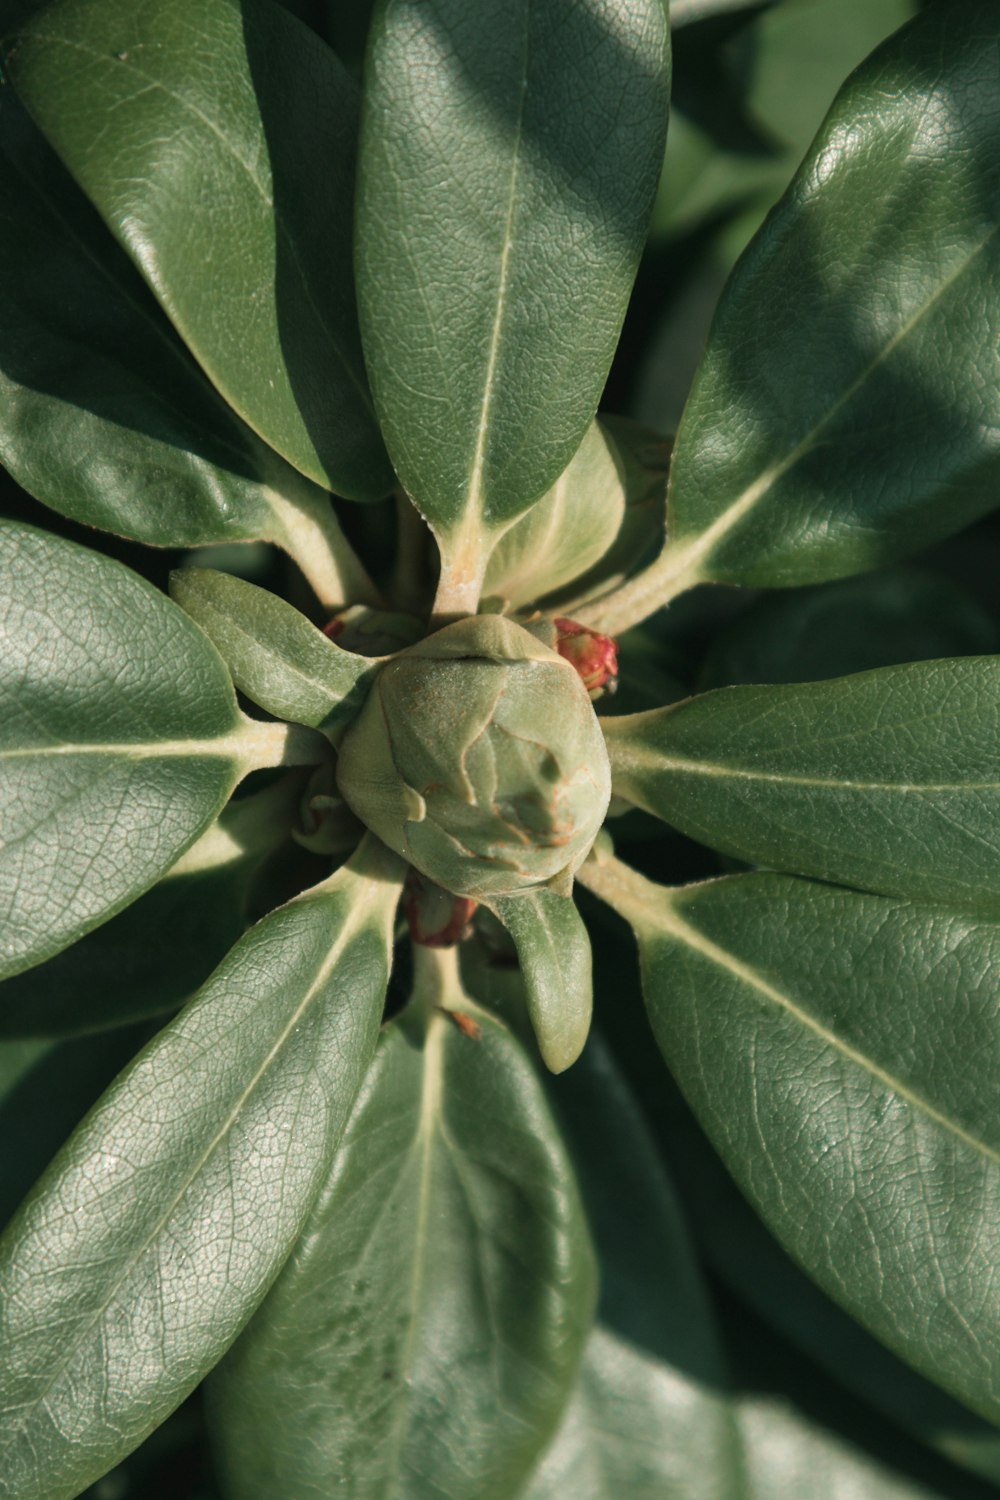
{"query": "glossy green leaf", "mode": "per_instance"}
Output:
(553, 950)
(104, 416)
(804, 457)
(425, 1332)
(120, 740)
(565, 532)
(156, 952)
(853, 625)
(789, 776)
(750, 1261)
(274, 654)
(500, 218)
(160, 1226)
(211, 134)
(841, 1052)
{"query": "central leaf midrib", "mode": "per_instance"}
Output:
(431, 1098)
(475, 496)
(643, 761)
(697, 548)
(684, 932)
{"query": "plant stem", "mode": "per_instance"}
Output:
(463, 567)
(308, 530)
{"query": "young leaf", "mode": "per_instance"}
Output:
(156, 952)
(274, 654)
(222, 136)
(787, 776)
(104, 416)
(425, 1331)
(553, 950)
(120, 740)
(161, 1224)
(841, 1051)
(565, 532)
(529, 171)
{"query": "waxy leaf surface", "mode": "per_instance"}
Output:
(120, 740)
(888, 780)
(425, 1332)
(157, 1230)
(221, 137)
(501, 214)
(104, 416)
(846, 409)
(274, 654)
(841, 1051)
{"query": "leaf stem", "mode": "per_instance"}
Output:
(307, 529)
(640, 901)
(674, 572)
(463, 567)
(266, 745)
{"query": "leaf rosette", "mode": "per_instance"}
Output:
(478, 758)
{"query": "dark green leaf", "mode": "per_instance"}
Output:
(120, 740)
(162, 1223)
(422, 1338)
(219, 136)
(841, 1052)
(553, 950)
(274, 654)
(156, 952)
(500, 218)
(886, 780)
(845, 409)
(853, 625)
(49, 1098)
(103, 414)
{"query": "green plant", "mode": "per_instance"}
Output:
(311, 965)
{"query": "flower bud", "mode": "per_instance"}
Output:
(593, 657)
(477, 757)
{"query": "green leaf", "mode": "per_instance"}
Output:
(553, 950)
(565, 532)
(788, 776)
(799, 457)
(488, 345)
(683, 12)
(274, 654)
(425, 1331)
(156, 953)
(841, 1051)
(853, 625)
(164, 1220)
(120, 740)
(103, 414)
(219, 136)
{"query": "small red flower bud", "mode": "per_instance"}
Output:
(595, 657)
(437, 919)
(335, 627)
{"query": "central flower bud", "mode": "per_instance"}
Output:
(479, 759)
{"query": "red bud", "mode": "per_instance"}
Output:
(595, 657)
